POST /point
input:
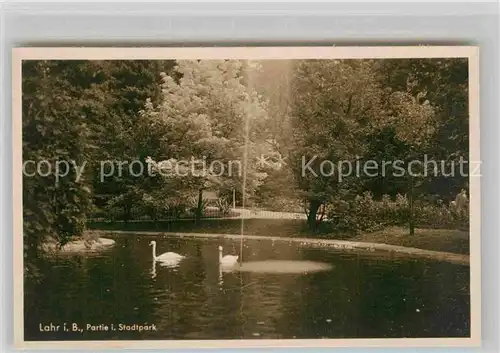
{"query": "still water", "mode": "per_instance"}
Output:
(351, 295)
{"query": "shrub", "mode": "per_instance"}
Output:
(359, 214)
(281, 204)
(363, 214)
(440, 216)
(193, 206)
(224, 206)
(175, 209)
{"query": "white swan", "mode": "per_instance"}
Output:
(227, 260)
(168, 257)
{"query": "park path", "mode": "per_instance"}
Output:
(244, 213)
(260, 214)
(394, 250)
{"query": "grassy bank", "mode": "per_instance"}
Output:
(446, 240)
(449, 240)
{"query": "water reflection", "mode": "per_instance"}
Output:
(226, 269)
(153, 270)
(283, 266)
(353, 295)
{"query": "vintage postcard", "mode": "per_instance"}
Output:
(246, 197)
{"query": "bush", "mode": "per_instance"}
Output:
(359, 214)
(175, 209)
(441, 216)
(224, 206)
(193, 206)
(281, 204)
(363, 214)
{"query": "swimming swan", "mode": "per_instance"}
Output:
(227, 260)
(166, 257)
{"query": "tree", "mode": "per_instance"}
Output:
(444, 84)
(273, 80)
(58, 103)
(78, 112)
(435, 94)
(334, 106)
(208, 117)
(413, 123)
(120, 133)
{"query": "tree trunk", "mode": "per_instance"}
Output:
(154, 218)
(411, 204)
(199, 206)
(127, 210)
(313, 211)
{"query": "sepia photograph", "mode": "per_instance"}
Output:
(246, 197)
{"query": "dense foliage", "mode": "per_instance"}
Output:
(159, 114)
(79, 112)
(376, 111)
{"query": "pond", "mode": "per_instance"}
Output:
(349, 295)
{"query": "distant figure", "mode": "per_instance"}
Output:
(461, 202)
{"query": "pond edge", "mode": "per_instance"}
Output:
(460, 259)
